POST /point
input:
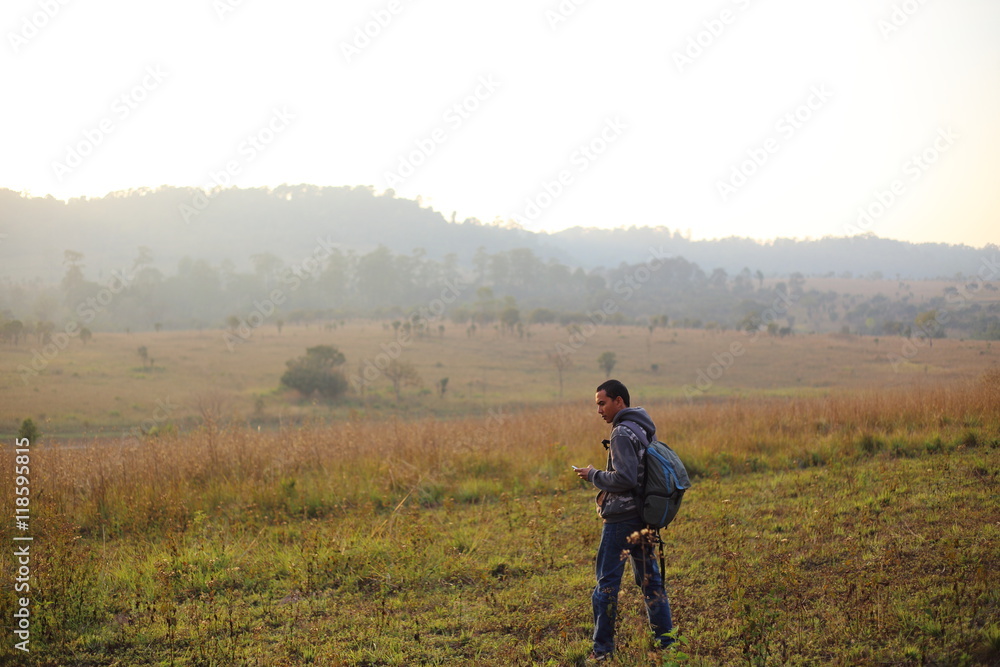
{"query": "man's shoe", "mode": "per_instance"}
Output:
(597, 657)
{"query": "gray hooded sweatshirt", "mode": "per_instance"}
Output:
(618, 495)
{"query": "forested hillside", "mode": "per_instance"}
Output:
(234, 225)
(183, 259)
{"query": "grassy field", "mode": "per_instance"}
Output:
(860, 527)
(104, 388)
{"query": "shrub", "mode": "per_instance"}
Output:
(316, 372)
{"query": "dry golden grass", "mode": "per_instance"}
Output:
(378, 542)
(102, 389)
(134, 484)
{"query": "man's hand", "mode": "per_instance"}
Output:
(583, 473)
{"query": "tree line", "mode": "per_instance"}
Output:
(506, 290)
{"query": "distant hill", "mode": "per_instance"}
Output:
(287, 221)
(857, 256)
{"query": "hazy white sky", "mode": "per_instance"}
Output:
(756, 118)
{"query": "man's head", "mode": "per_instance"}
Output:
(612, 397)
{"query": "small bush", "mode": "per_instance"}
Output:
(316, 373)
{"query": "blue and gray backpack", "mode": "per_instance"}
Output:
(663, 483)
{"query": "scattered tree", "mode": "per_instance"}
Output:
(13, 331)
(400, 374)
(28, 430)
(509, 319)
(561, 362)
(607, 362)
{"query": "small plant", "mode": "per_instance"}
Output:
(607, 362)
(675, 656)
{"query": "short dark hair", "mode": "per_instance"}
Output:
(614, 389)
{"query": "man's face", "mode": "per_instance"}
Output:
(607, 407)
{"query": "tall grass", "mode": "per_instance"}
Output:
(426, 541)
(313, 471)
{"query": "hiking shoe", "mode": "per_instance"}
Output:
(598, 657)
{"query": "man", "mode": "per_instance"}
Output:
(618, 505)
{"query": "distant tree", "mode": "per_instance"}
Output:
(485, 305)
(442, 386)
(85, 335)
(509, 319)
(317, 372)
(796, 281)
(44, 331)
(13, 331)
(561, 362)
(265, 265)
(400, 374)
(74, 270)
(928, 322)
(541, 316)
(28, 430)
(607, 362)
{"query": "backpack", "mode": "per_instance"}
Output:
(664, 481)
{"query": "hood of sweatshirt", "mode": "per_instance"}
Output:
(638, 416)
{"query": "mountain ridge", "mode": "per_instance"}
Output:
(237, 223)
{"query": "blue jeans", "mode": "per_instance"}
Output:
(610, 567)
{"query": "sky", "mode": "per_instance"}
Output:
(750, 118)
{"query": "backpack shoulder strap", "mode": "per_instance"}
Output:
(639, 431)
